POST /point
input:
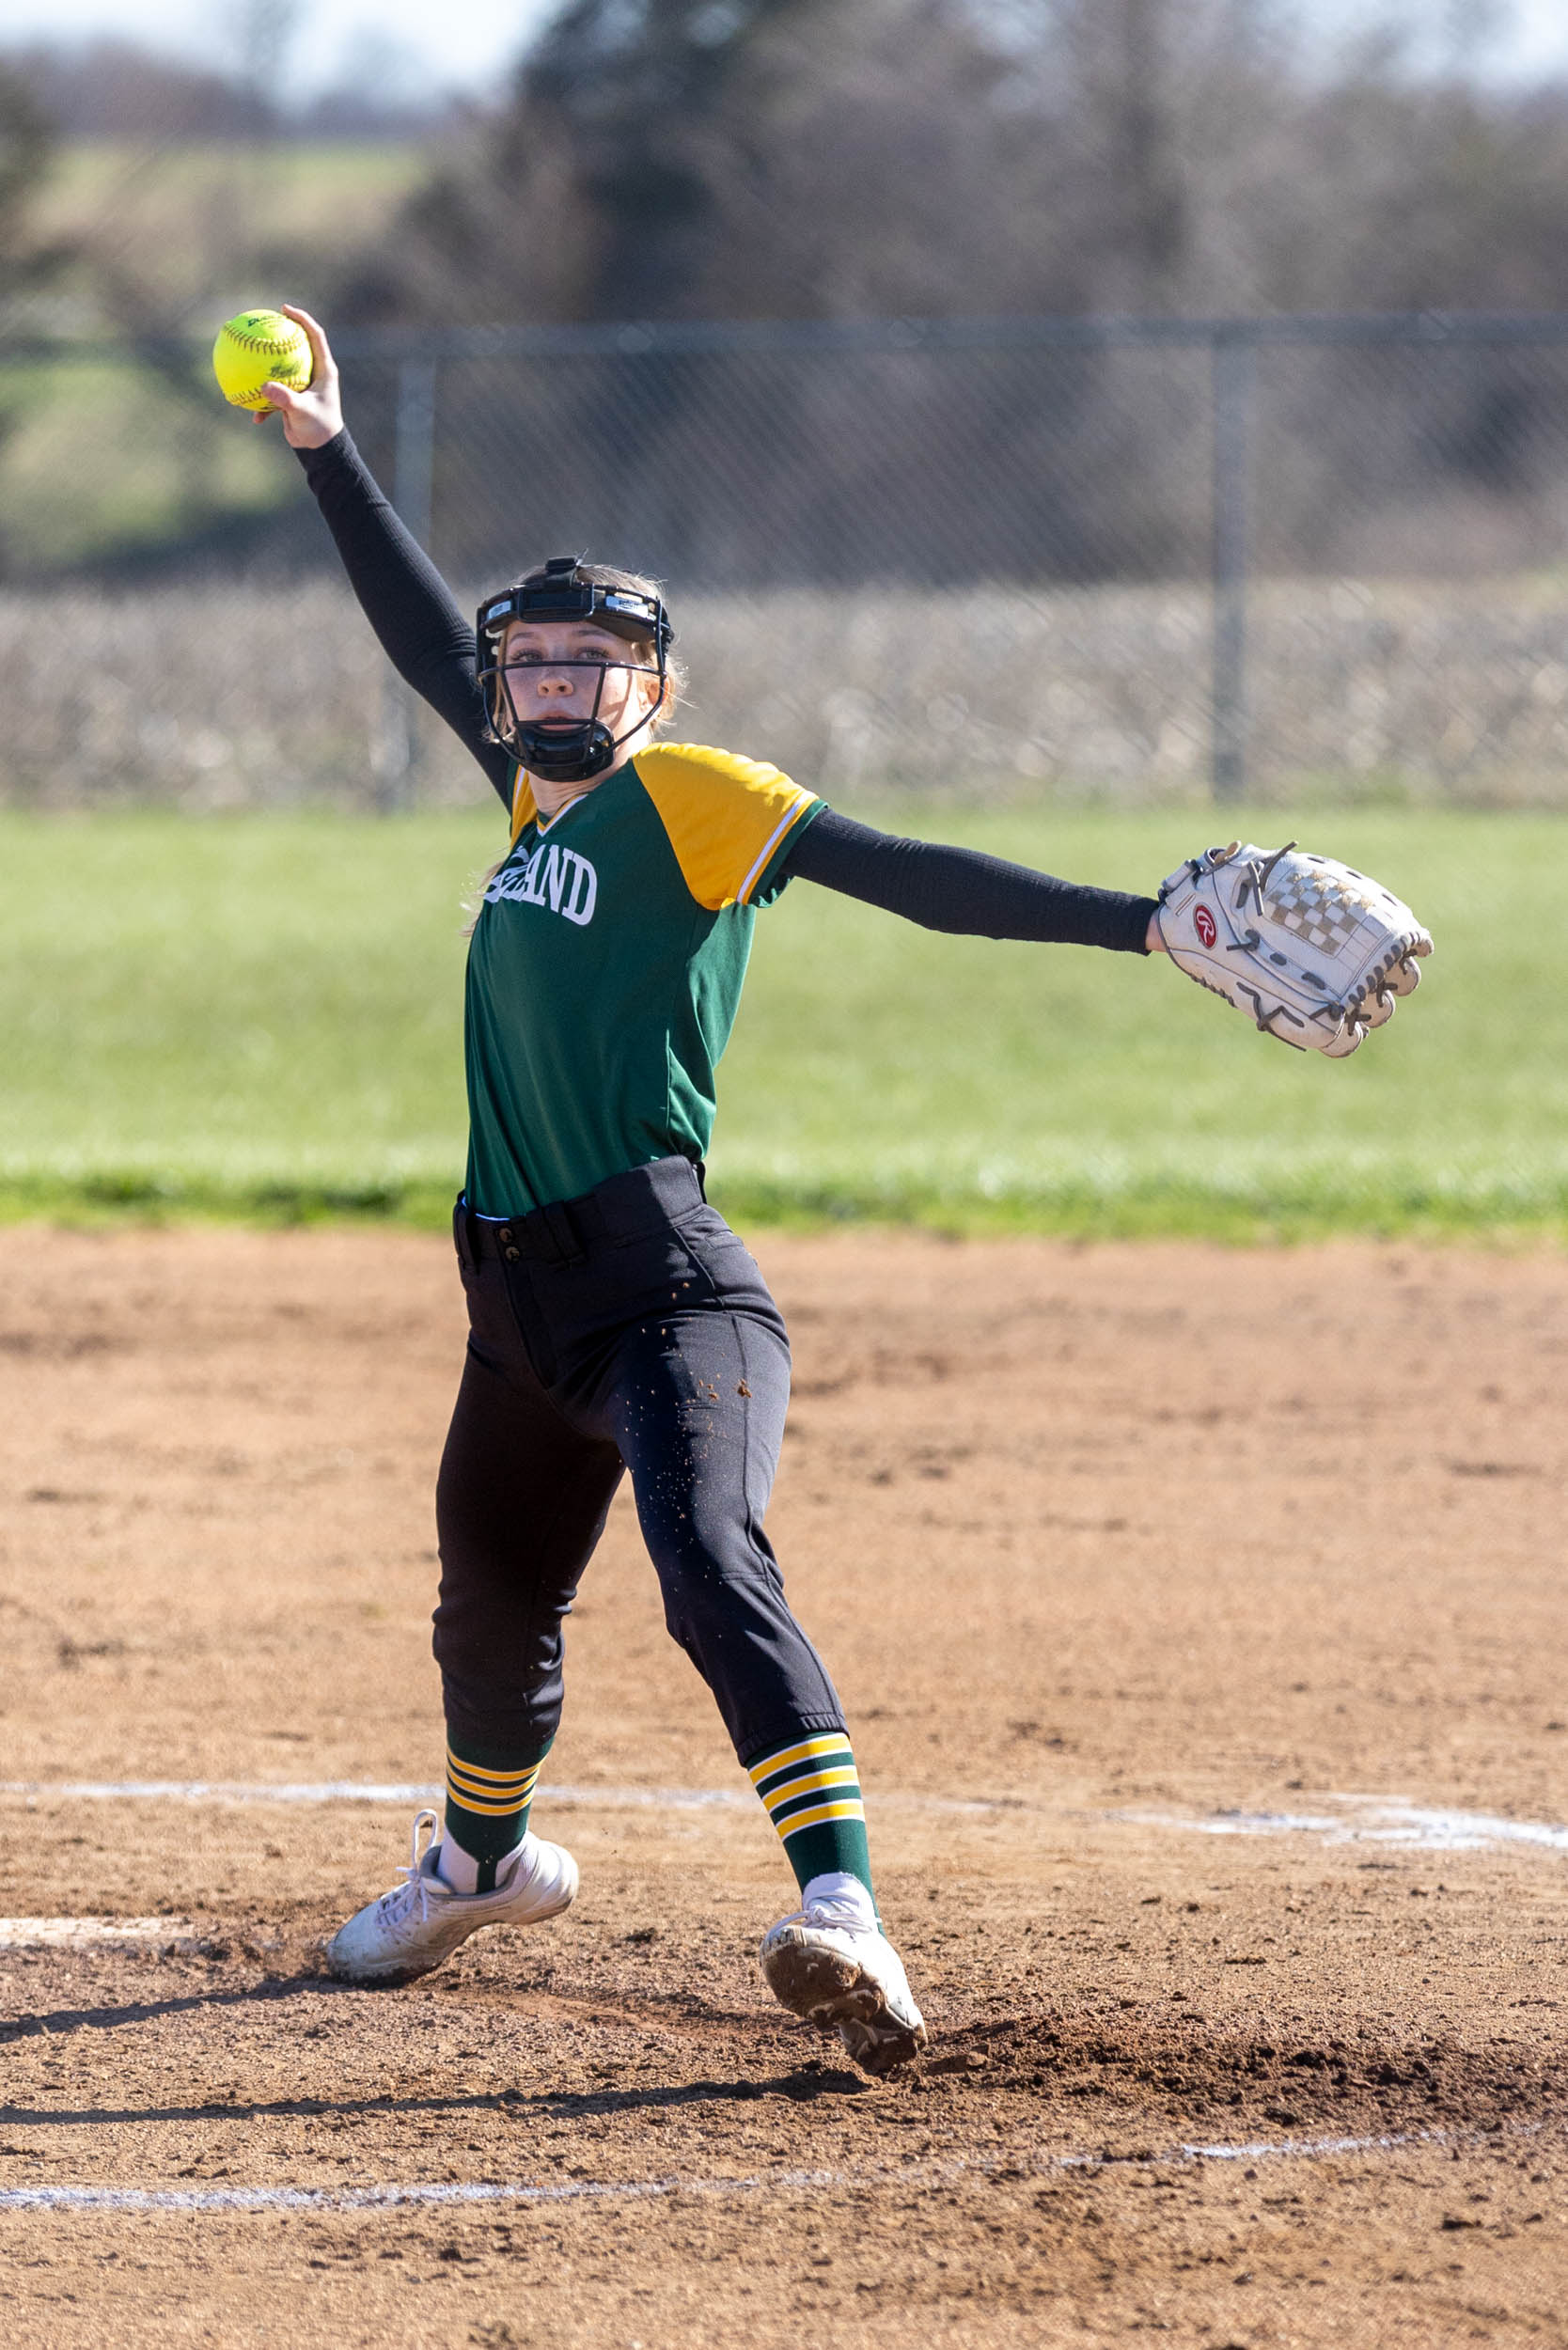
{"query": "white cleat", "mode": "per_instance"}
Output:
(828, 1964)
(421, 1921)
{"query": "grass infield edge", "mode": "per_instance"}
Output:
(1497, 1215)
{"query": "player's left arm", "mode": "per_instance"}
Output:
(965, 892)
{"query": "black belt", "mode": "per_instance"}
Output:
(622, 1206)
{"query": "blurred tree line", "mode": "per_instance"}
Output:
(680, 159)
(26, 137)
(107, 87)
(672, 160)
(799, 159)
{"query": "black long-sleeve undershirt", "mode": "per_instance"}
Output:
(431, 645)
(962, 890)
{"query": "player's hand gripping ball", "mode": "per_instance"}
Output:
(260, 347)
(1310, 949)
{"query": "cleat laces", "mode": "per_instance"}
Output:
(411, 1900)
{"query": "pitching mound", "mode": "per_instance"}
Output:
(1200, 1619)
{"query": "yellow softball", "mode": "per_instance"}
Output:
(260, 347)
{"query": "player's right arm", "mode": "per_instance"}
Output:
(400, 592)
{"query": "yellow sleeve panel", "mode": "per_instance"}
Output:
(726, 816)
(522, 807)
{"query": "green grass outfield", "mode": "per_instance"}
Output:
(260, 1016)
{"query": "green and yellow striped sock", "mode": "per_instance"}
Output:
(488, 1796)
(811, 1790)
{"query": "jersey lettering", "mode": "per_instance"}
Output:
(552, 877)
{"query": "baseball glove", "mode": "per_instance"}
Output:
(1312, 951)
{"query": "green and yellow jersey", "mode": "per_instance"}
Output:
(607, 960)
(606, 969)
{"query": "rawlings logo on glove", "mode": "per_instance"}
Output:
(1312, 951)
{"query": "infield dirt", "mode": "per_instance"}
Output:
(1111, 1550)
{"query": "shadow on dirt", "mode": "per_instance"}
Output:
(803, 2087)
(1047, 2068)
(59, 2022)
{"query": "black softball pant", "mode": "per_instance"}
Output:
(627, 1330)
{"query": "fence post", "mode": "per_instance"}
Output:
(413, 487)
(1233, 361)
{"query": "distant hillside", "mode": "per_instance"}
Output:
(168, 237)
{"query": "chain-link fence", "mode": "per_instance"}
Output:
(1119, 558)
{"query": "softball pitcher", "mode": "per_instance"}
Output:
(616, 1322)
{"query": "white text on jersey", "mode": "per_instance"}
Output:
(553, 876)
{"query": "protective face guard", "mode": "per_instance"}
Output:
(565, 753)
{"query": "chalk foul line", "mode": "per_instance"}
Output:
(75, 1934)
(224, 1791)
(1354, 1819)
(446, 2193)
(1370, 1820)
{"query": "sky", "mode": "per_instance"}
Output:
(462, 44)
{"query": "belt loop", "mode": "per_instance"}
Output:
(562, 1232)
(462, 1234)
(700, 1168)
